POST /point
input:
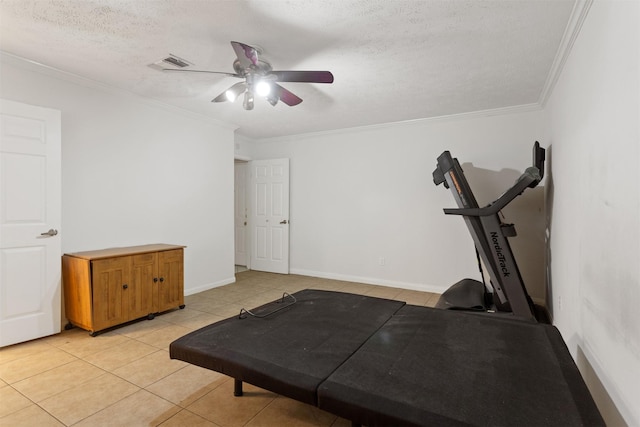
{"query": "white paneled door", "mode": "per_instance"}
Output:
(240, 210)
(269, 216)
(30, 215)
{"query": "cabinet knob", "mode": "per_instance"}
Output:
(125, 286)
(162, 279)
(155, 280)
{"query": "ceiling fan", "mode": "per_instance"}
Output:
(260, 79)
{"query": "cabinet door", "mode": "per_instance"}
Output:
(140, 298)
(110, 281)
(171, 279)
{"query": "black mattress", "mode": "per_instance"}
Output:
(381, 362)
(450, 368)
(292, 351)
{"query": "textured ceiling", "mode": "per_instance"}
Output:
(393, 60)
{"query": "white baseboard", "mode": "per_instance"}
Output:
(424, 287)
(206, 287)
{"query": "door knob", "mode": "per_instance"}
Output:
(50, 233)
(284, 221)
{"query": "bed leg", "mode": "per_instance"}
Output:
(237, 387)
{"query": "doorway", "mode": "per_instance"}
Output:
(261, 215)
(241, 238)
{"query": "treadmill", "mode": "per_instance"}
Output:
(490, 236)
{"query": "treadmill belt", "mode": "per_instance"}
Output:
(448, 368)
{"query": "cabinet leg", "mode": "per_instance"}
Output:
(151, 316)
(182, 306)
(68, 326)
(93, 334)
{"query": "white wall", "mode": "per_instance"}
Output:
(243, 147)
(134, 172)
(364, 194)
(595, 216)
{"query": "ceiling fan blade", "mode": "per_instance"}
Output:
(203, 71)
(287, 97)
(304, 76)
(247, 55)
(235, 90)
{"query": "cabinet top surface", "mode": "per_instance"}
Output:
(129, 250)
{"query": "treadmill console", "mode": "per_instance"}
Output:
(538, 159)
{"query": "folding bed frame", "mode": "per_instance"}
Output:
(382, 362)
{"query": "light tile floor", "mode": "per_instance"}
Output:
(125, 377)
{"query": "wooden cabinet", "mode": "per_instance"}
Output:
(109, 287)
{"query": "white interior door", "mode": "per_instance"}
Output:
(240, 209)
(269, 215)
(30, 215)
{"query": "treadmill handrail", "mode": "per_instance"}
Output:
(529, 179)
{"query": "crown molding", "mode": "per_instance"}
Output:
(516, 109)
(578, 15)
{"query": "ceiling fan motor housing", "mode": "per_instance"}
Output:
(262, 67)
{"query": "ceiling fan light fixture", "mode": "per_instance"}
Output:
(263, 88)
(231, 96)
(233, 92)
(248, 100)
